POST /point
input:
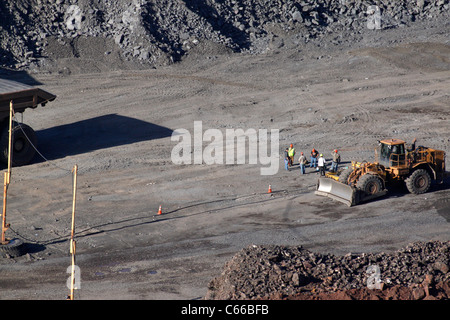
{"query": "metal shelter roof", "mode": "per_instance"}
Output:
(23, 96)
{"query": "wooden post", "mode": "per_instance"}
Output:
(10, 139)
(74, 171)
(72, 241)
(7, 177)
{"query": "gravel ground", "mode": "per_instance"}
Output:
(130, 74)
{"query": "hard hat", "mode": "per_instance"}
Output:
(321, 155)
(291, 145)
(301, 152)
(314, 150)
(335, 150)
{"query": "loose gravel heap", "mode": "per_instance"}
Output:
(161, 32)
(418, 271)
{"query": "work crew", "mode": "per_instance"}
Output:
(336, 159)
(291, 153)
(314, 155)
(302, 162)
(321, 164)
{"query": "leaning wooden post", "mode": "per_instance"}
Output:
(10, 139)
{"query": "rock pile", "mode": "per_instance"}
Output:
(163, 31)
(418, 271)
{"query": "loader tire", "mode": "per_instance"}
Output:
(418, 182)
(23, 144)
(370, 184)
(343, 177)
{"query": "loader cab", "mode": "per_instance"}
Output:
(392, 153)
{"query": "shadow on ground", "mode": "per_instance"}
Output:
(93, 134)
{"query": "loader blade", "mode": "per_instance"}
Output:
(336, 190)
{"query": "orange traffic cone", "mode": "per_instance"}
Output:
(159, 211)
(270, 189)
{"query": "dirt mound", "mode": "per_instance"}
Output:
(439, 291)
(419, 271)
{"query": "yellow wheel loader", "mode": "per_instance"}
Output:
(417, 167)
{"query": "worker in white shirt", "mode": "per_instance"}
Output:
(321, 164)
